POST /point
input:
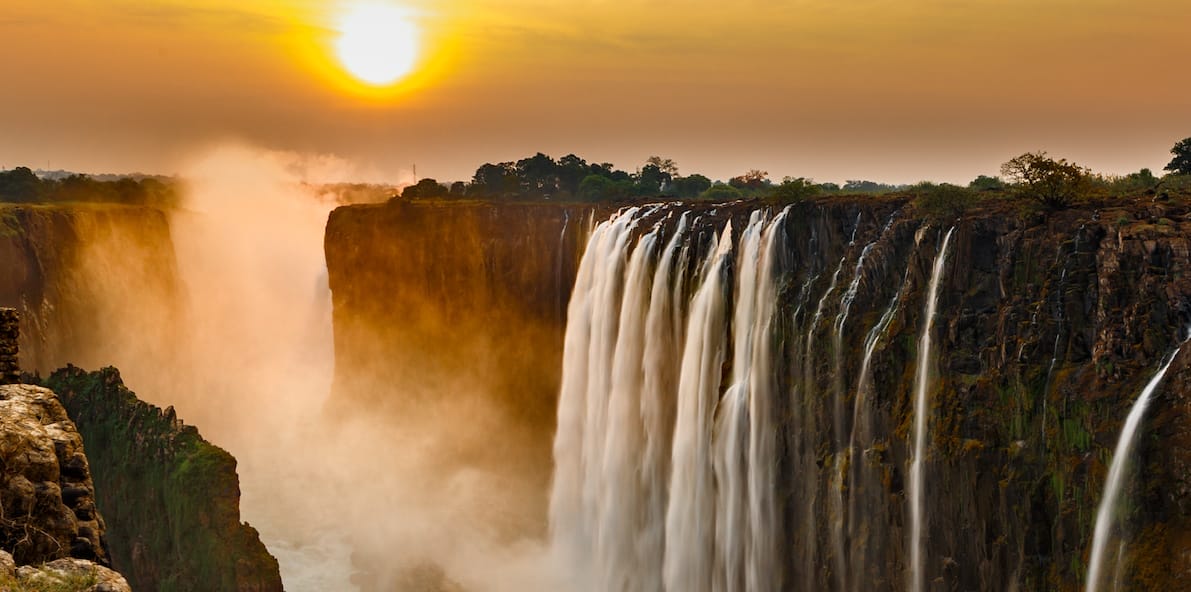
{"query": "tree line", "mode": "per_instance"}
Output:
(1052, 183)
(572, 178)
(22, 185)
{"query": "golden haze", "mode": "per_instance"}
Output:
(893, 91)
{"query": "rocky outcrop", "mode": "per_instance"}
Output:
(62, 575)
(46, 491)
(171, 498)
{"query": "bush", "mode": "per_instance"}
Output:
(943, 202)
(720, 192)
(986, 183)
(794, 189)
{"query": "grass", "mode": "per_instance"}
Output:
(48, 580)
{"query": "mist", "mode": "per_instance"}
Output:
(242, 348)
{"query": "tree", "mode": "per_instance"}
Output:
(943, 202)
(571, 171)
(753, 179)
(425, 188)
(665, 165)
(986, 183)
(690, 186)
(607, 169)
(652, 180)
(538, 175)
(1055, 184)
(795, 189)
(495, 179)
(1181, 163)
(861, 186)
(19, 184)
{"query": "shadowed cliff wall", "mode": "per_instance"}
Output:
(459, 305)
(93, 283)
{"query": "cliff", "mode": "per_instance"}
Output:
(93, 283)
(171, 498)
(426, 294)
(1049, 324)
(456, 311)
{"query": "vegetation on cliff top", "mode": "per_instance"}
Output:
(170, 497)
(22, 185)
(1031, 177)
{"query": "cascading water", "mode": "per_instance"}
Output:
(858, 485)
(678, 493)
(921, 390)
(1107, 516)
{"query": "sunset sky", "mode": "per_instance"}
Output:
(894, 91)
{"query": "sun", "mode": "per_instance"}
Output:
(378, 43)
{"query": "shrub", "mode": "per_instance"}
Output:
(943, 201)
(720, 192)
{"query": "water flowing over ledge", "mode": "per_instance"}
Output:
(753, 399)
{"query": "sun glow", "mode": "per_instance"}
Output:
(378, 43)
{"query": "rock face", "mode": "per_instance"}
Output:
(10, 367)
(92, 283)
(432, 298)
(171, 498)
(46, 491)
(445, 311)
(1048, 327)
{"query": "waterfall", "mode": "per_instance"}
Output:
(1107, 515)
(621, 490)
(663, 342)
(587, 359)
(665, 468)
(861, 434)
(761, 551)
(839, 467)
(921, 390)
(688, 562)
(731, 434)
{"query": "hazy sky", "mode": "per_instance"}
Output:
(889, 90)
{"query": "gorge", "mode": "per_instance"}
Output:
(845, 393)
(1048, 327)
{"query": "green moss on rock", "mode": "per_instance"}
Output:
(171, 498)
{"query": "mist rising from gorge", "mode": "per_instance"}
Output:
(242, 348)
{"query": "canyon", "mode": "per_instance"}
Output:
(451, 320)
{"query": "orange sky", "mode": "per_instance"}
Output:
(889, 90)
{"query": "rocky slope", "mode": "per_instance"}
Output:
(171, 498)
(1049, 325)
